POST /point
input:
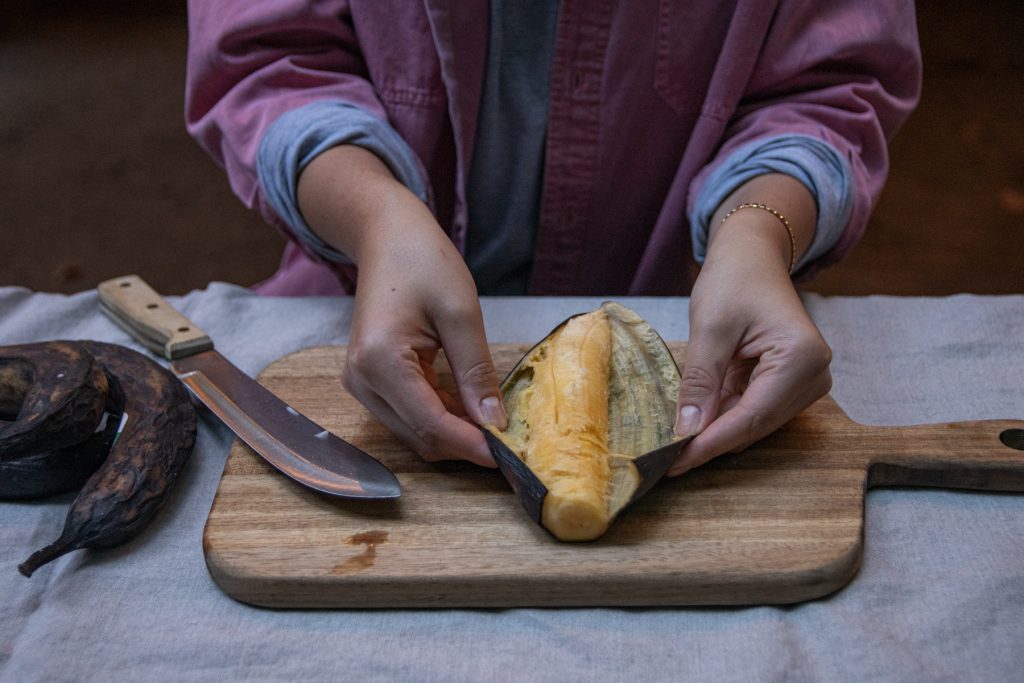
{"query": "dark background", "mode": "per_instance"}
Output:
(98, 177)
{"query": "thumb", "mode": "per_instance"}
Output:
(700, 385)
(466, 348)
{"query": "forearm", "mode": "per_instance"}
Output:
(352, 201)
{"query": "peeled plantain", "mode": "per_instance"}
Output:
(591, 421)
(133, 458)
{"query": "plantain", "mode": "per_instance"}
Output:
(15, 379)
(51, 392)
(131, 485)
(591, 413)
(53, 437)
(54, 392)
(57, 470)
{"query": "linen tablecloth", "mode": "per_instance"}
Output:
(940, 594)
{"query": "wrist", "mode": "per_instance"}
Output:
(753, 237)
(779, 216)
(753, 234)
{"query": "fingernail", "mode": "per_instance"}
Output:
(493, 412)
(689, 421)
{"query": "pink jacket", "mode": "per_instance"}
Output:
(646, 98)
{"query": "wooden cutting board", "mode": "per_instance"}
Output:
(781, 523)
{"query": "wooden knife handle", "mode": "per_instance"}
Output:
(147, 317)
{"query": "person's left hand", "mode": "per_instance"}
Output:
(755, 359)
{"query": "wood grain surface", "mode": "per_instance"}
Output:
(779, 523)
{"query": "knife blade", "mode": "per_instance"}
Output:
(295, 445)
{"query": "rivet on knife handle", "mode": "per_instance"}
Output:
(144, 314)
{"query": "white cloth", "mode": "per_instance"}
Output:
(940, 595)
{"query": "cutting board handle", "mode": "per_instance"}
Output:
(985, 455)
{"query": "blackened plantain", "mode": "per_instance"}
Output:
(122, 496)
(55, 391)
(15, 379)
(57, 470)
(50, 467)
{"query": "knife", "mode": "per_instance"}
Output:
(292, 443)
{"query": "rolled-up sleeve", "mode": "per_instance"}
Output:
(846, 73)
(298, 136)
(251, 62)
(815, 163)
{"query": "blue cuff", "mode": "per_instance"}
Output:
(815, 163)
(298, 136)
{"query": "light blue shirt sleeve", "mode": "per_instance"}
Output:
(815, 163)
(298, 136)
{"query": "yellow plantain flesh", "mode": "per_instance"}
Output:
(593, 396)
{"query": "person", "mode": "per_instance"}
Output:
(438, 150)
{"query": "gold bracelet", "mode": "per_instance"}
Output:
(789, 230)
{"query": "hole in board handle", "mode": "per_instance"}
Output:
(126, 283)
(1014, 438)
(151, 306)
(183, 329)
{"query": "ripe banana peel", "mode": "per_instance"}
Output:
(591, 413)
(62, 404)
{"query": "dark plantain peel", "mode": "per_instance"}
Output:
(56, 392)
(15, 379)
(59, 470)
(134, 481)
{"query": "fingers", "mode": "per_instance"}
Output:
(452, 438)
(392, 374)
(707, 359)
(390, 381)
(788, 382)
(462, 336)
(415, 297)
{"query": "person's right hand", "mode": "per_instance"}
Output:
(415, 297)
